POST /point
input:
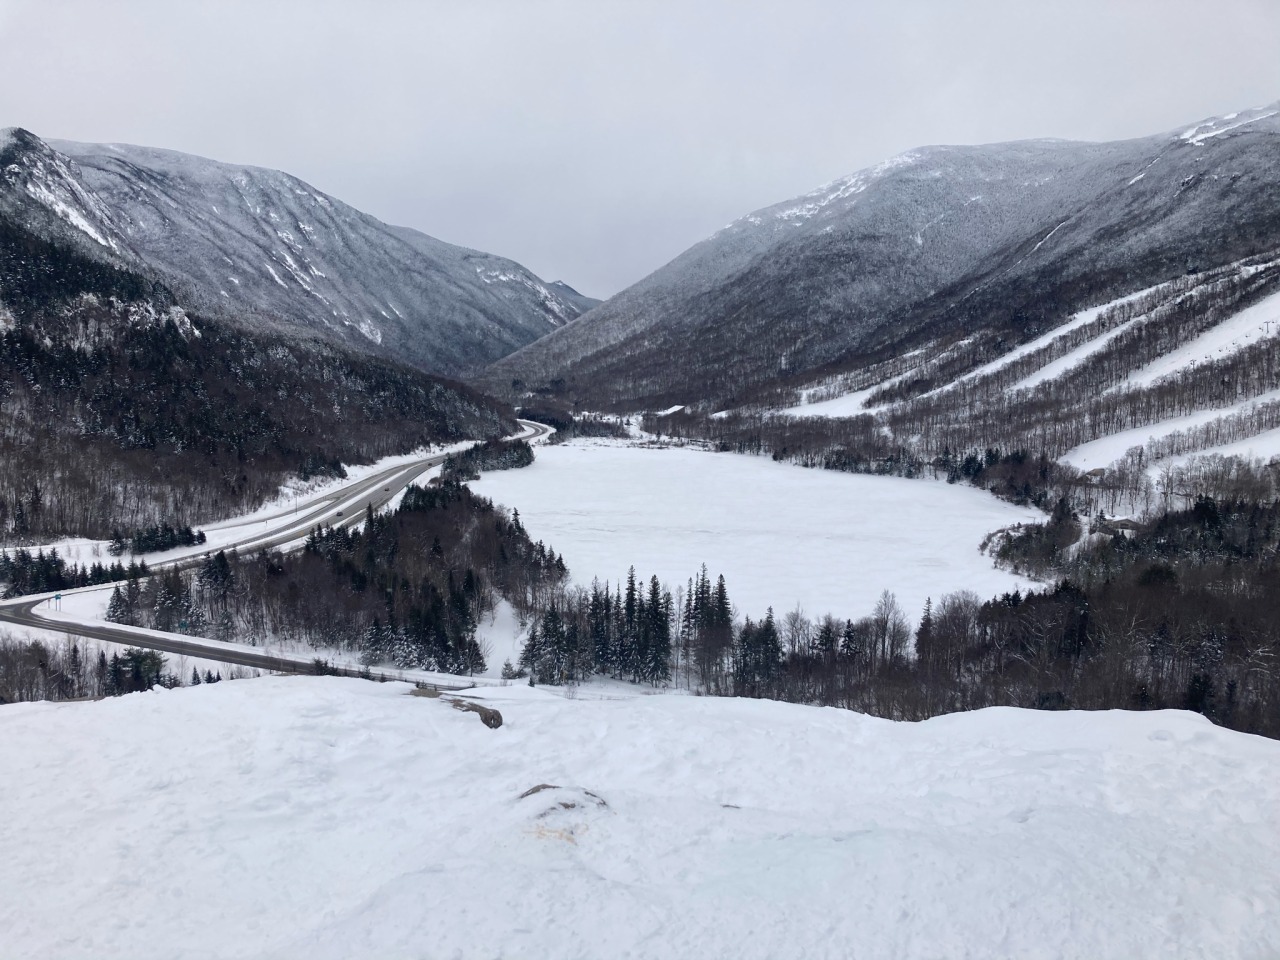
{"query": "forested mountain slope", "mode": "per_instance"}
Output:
(120, 408)
(1000, 243)
(267, 251)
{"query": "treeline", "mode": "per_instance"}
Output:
(407, 588)
(23, 572)
(154, 539)
(491, 455)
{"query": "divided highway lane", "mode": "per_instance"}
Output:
(343, 507)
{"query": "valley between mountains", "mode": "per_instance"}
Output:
(894, 572)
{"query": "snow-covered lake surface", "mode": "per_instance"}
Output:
(780, 534)
(332, 818)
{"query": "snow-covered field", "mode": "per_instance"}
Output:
(780, 534)
(330, 818)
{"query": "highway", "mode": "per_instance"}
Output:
(342, 507)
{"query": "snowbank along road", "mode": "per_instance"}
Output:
(342, 507)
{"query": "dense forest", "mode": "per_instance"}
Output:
(118, 410)
(494, 454)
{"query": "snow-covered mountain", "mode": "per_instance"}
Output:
(941, 241)
(262, 247)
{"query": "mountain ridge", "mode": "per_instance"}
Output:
(261, 247)
(941, 239)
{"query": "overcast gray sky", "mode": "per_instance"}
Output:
(593, 141)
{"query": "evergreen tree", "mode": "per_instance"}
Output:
(117, 609)
(657, 646)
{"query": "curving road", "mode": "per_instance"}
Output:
(342, 507)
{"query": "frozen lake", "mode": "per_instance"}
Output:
(780, 534)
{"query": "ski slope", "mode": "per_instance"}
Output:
(845, 405)
(329, 818)
(1255, 323)
(1081, 319)
(1263, 446)
(1107, 450)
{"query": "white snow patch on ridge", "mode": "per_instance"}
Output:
(840, 189)
(41, 193)
(335, 818)
(1211, 128)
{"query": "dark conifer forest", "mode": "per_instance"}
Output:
(121, 412)
(406, 589)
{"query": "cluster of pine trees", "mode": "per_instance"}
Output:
(163, 536)
(493, 454)
(644, 634)
(35, 670)
(22, 573)
(407, 589)
(623, 635)
(165, 602)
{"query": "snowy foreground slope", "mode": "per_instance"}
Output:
(323, 817)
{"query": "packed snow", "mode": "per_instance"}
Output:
(780, 534)
(335, 818)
